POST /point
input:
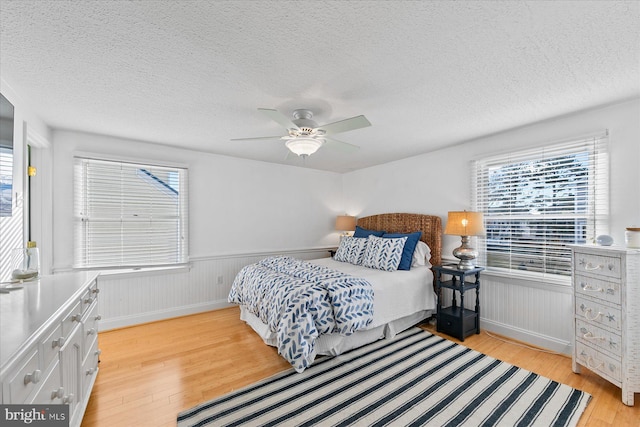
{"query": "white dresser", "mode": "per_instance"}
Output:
(606, 289)
(49, 342)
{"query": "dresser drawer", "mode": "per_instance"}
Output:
(51, 344)
(51, 391)
(25, 381)
(90, 296)
(90, 326)
(599, 337)
(598, 314)
(598, 265)
(71, 319)
(90, 367)
(598, 288)
(599, 363)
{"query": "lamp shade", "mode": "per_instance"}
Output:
(465, 223)
(345, 223)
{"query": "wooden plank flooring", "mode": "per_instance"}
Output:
(149, 373)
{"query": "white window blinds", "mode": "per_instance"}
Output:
(129, 215)
(538, 201)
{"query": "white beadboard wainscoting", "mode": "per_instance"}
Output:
(535, 312)
(528, 310)
(132, 298)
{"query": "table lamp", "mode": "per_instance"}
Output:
(465, 224)
(345, 223)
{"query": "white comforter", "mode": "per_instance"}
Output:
(397, 293)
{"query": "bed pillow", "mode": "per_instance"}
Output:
(383, 254)
(351, 250)
(363, 232)
(422, 255)
(409, 247)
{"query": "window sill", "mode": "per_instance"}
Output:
(523, 278)
(145, 271)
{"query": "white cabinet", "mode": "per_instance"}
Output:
(606, 289)
(49, 342)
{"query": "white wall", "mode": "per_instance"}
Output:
(237, 209)
(438, 182)
(235, 205)
(243, 209)
(29, 128)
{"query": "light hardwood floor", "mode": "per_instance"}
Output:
(149, 373)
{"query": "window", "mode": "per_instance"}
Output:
(536, 202)
(11, 206)
(129, 215)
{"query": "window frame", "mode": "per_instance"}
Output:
(595, 216)
(82, 217)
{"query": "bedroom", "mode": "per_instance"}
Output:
(242, 209)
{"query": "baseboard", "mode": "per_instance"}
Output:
(535, 339)
(137, 319)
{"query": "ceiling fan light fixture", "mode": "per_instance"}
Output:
(304, 146)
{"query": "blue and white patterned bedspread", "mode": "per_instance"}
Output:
(299, 301)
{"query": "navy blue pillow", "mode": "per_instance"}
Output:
(363, 232)
(409, 247)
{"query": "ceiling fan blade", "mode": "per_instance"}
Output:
(278, 117)
(344, 146)
(257, 138)
(346, 125)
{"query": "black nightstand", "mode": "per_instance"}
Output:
(455, 320)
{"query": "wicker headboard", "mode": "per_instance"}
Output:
(431, 227)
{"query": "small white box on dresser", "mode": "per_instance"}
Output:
(606, 289)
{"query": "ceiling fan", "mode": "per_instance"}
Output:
(304, 136)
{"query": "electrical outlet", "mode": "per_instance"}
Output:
(220, 280)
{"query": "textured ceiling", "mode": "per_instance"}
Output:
(425, 74)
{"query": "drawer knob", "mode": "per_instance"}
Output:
(586, 315)
(91, 331)
(33, 377)
(590, 336)
(98, 352)
(76, 317)
(98, 317)
(592, 366)
(68, 398)
(95, 291)
(57, 394)
(591, 267)
(90, 371)
(58, 343)
(589, 288)
(88, 300)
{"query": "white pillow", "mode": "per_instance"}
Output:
(383, 253)
(421, 255)
(351, 250)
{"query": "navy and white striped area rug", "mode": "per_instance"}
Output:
(417, 379)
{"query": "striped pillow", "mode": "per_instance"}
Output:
(383, 254)
(351, 250)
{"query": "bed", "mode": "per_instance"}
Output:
(394, 301)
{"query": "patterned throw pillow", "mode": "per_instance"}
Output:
(351, 250)
(383, 254)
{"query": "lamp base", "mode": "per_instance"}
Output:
(466, 254)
